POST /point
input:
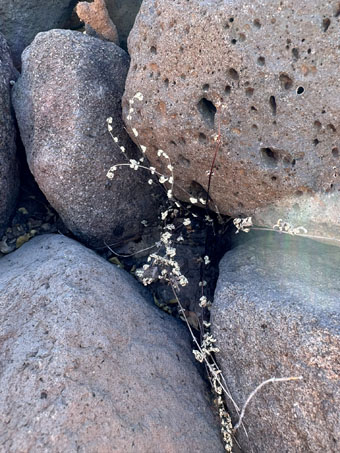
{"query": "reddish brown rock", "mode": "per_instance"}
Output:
(95, 15)
(70, 84)
(264, 74)
(9, 184)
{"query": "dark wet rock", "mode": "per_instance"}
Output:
(20, 21)
(8, 163)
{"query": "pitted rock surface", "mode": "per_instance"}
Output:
(276, 313)
(88, 364)
(264, 74)
(21, 21)
(70, 84)
(9, 184)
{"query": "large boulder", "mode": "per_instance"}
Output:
(276, 313)
(89, 364)
(265, 75)
(70, 84)
(8, 165)
(21, 21)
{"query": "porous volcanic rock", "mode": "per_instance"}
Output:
(265, 75)
(9, 184)
(276, 313)
(70, 84)
(88, 364)
(21, 20)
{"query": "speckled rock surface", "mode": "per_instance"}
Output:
(88, 364)
(266, 74)
(21, 21)
(9, 184)
(276, 313)
(70, 85)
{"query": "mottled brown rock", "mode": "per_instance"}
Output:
(88, 364)
(21, 20)
(70, 84)
(95, 15)
(276, 313)
(9, 183)
(265, 74)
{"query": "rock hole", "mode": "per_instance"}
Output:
(254, 126)
(182, 141)
(207, 111)
(337, 11)
(183, 161)
(299, 193)
(270, 157)
(257, 23)
(227, 89)
(43, 395)
(231, 19)
(316, 142)
(325, 24)
(242, 37)
(249, 92)
(286, 81)
(153, 50)
(233, 74)
(173, 143)
(198, 191)
(295, 52)
(253, 108)
(331, 127)
(317, 124)
(272, 103)
(273, 178)
(335, 152)
(309, 51)
(300, 90)
(206, 87)
(233, 41)
(261, 61)
(166, 82)
(202, 138)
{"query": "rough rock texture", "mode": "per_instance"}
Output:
(123, 14)
(266, 74)
(8, 164)
(276, 313)
(88, 364)
(21, 20)
(95, 15)
(70, 85)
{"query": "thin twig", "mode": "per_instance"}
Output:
(253, 393)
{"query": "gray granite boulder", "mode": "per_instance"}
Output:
(70, 84)
(88, 364)
(9, 183)
(276, 313)
(264, 74)
(21, 20)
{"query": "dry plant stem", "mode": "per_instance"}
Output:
(308, 236)
(253, 393)
(200, 349)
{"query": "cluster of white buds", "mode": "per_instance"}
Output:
(285, 227)
(243, 224)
